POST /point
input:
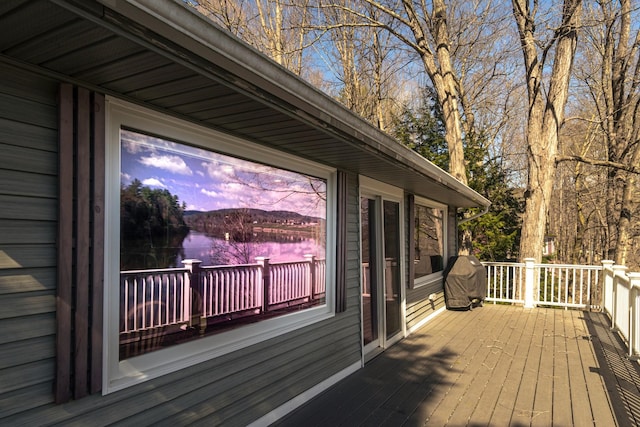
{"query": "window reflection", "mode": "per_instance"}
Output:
(428, 240)
(210, 242)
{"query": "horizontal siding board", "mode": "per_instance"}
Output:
(27, 135)
(27, 351)
(27, 184)
(230, 409)
(221, 375)
(26, 327)
(26, 86)
(21, 256)
(26, 304)
(28, 160)
(228, 391)
(28, 208)
(292, 376)
(29, 374)
(25, 399)
(288, 388)
(26, 111)
(27, 232)
(27, 280)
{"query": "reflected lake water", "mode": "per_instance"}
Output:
(214, 251)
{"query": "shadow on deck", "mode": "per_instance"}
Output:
(497, 365)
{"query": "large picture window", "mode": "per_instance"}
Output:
(428, 240)
(221, 244)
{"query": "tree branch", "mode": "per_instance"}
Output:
(596, 162)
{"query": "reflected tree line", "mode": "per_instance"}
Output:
(152, 227)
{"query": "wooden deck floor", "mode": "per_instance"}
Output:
(497, 365)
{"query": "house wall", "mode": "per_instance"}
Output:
(28, 209)
(234, 389)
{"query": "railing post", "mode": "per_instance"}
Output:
(311, 259)
(529, 283)
(194, 291)
(634, 345)
(618, 270)
(607, 285)
(266, 281)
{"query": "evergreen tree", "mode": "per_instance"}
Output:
(496, 235)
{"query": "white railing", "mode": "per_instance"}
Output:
(621, 301)
(505, 282)
(605, 287)
(162, 297)
(154, 298)
(560, 285)
(231, 289)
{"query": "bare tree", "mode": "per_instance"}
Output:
(277, 28)
(547, 91)
(612, 76)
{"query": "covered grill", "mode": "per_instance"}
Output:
(465, 283)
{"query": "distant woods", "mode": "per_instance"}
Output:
(146, 212)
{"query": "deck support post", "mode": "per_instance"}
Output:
(529, 283)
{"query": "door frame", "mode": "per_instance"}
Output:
(380, 191)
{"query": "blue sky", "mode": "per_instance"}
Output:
(205, 180)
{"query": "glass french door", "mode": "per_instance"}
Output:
(381, 278)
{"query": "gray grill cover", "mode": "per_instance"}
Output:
(465, 282)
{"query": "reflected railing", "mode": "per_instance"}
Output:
(195, 294)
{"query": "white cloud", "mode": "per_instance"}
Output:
(216, 169)
(173, 164)
(153, 182)
(209, 193)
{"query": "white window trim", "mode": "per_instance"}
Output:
(121, 374)
(432, 278)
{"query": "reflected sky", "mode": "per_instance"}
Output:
(206, 181)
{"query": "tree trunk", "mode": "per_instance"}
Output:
(545, 117)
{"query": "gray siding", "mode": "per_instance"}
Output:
(28, 196)
(233, 390)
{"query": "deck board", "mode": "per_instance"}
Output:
(562, 404)
(495, 365)
(500, 372)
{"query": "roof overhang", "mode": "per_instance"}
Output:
(172, 59)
